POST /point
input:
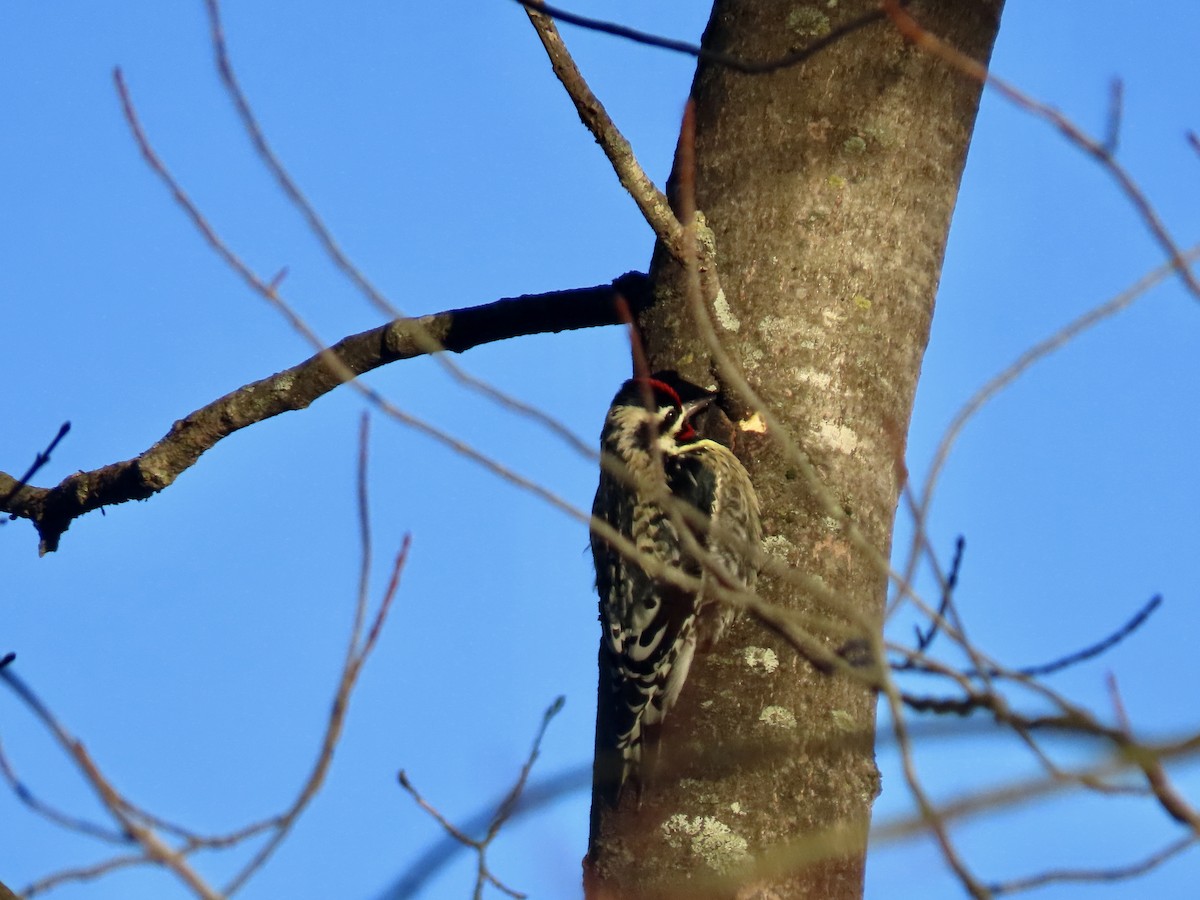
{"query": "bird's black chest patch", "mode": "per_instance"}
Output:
(691, 481)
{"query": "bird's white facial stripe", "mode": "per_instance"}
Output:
(631, 424)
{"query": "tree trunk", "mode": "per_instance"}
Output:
(829, 189)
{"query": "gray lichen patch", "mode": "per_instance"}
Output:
(854, 145)
(778, 546)
(809, 21)
(709, 840)
(724, 313)
(761, 658)
(777, 717)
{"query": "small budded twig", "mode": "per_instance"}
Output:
(502, 813)
(1116, 111)
(924, 639)
(15, 485)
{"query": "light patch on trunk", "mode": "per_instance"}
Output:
(838, 437)
(755, 422)
(724, 313)
(777, 717)
(708, 839)
(761, 658)
(778, 546)
(813, 378)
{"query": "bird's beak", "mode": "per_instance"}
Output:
(694, 406)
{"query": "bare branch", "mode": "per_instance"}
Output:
(43, 457)
(154, 849)
(83, 873)
(1119, 873)
(1007, 376)
(727, 60)
(1139, 618)
(650, 200)
(358, 648)
(503, 812)
(53, 814)
(53, 509)
(1098, 150)
(924, 639)
(931, 817)
(914, 662)
(536, 795)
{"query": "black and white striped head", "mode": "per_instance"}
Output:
(658, 409)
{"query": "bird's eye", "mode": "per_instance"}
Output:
(670, 419)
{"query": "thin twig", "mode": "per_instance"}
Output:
(153, 847)
(1135, 622)
(53, 814)
(85, 873)
(1109, 875)
(11, 490)
(931, 817)
(358, 648)
(924, 639)
(1116, 110)
(913, 31)
(502, 814)
(535, 796)
(994, 386)
(649, 199)
(427, 340)
(725, 60)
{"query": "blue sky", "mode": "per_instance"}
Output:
(192, 641)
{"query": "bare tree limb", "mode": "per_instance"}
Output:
(53, 509)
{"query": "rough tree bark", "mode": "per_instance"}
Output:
(829, 189)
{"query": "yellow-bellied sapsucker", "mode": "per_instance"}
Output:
(651, 627)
